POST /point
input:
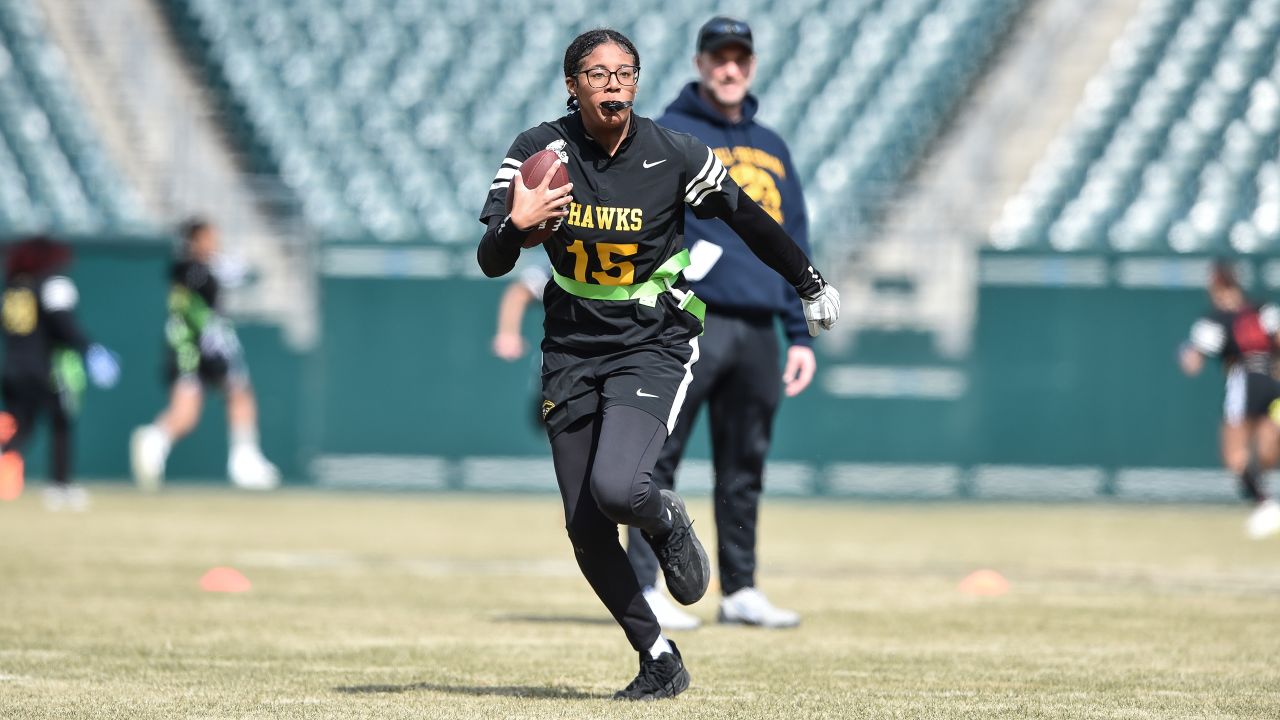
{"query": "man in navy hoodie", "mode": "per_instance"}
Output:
(737, 375)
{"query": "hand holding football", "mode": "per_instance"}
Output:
(541, 203)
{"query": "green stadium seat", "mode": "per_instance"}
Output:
(1165, 146)
(54, 173)
(411, 82)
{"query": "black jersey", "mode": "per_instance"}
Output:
(38, 320)
(1243, 337)
(196, 277)
(193, 302)
(199, 336)
(626, 219)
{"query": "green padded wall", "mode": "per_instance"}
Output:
(1060, 376)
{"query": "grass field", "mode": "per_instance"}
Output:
(464, 606)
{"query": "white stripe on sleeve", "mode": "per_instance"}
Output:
(59, 294)
(706, 168)
(1208, 337)
(1269, 316)
(715, 187)
(707, 182)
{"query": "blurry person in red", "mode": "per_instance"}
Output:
(1242, 336)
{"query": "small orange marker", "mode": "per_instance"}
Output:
(986, 583)
(11, 475)
(225, 579)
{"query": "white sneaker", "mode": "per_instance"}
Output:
(77, 498)
(249, 470)
(147, 455)
(1264, 520)
(669, 616)
(65, 497)
(749, 606)
(53, 498)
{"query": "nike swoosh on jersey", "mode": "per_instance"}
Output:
(641, 393)
(648, 164)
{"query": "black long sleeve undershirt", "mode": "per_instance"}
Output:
(766, 238)
(500, 247)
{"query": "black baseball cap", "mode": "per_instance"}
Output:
(720, 31)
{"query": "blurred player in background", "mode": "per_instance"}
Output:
(508, 341)
(621, 328)
(737, 377)
(45, 360)
(1243, 336)
(203, 350)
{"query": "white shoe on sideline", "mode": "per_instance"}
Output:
(1264, 521)
(669, 616)
(249, 470)
(65, 497)
(749, 606)
(147, 455)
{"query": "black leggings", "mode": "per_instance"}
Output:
(604, 465)
(25, 399)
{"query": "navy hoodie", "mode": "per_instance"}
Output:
(761, 164)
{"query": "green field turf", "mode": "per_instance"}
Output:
(467, 606)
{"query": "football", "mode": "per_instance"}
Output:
(533, 171)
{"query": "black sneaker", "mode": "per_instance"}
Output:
(664, 677)
(684, 562)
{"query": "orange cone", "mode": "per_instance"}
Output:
(984, 583)
(11, 472)
(225, 579)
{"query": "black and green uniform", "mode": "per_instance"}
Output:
(202, 343)
(43, 367)
(621, 328)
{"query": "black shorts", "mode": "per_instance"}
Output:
(651, 377)
(213, 371)
(1249, 396)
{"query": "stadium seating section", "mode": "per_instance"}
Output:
(387, 117)
(54, 173)
(1174, 146)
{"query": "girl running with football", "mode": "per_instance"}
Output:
(621, 327)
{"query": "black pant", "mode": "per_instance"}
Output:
(25, 399)
(739, 380)
(604, 464)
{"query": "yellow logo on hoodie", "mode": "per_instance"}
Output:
(757, 173)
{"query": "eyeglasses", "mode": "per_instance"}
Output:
(598, 77)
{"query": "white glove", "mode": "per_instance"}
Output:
(822, 310)
(103, 366)
(218, 339)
